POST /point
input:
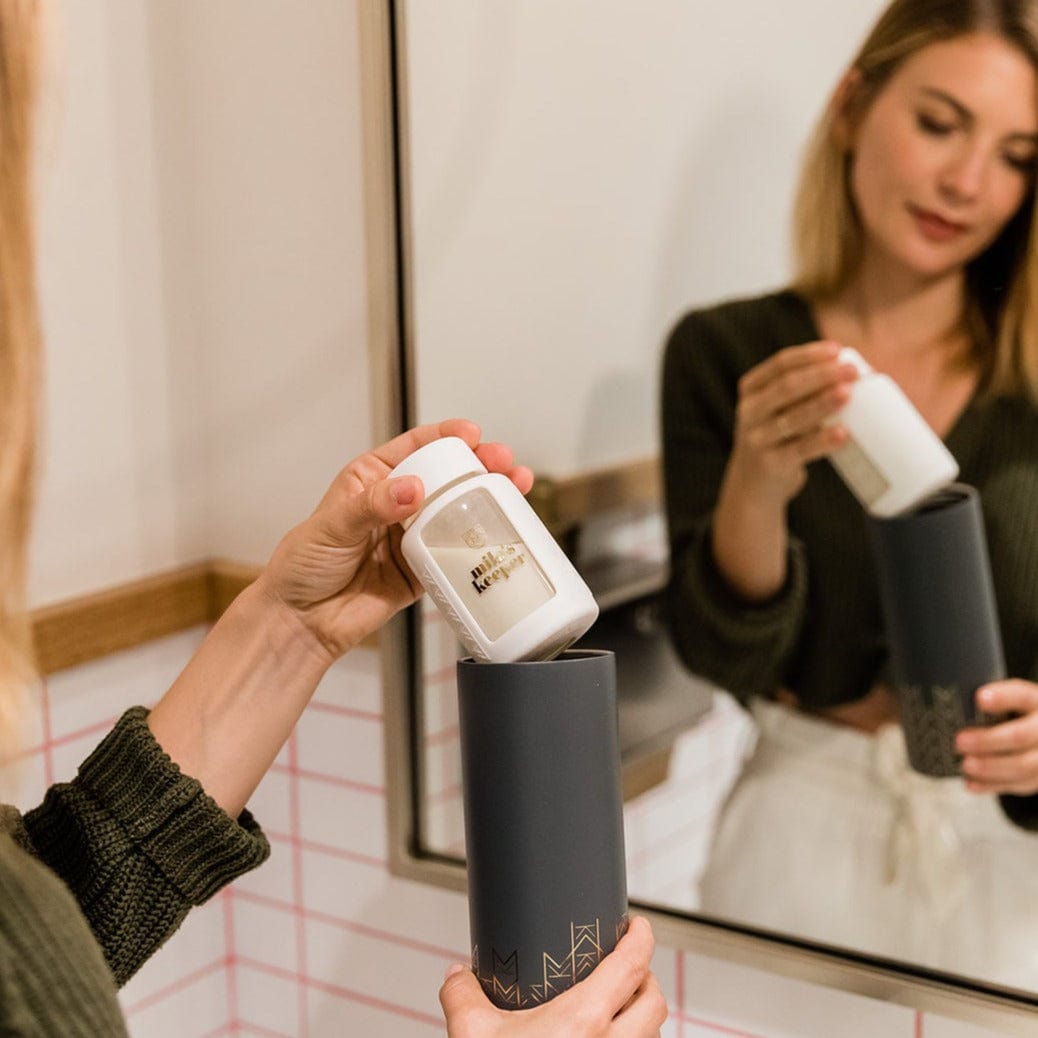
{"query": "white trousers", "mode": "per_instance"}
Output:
(829, 835)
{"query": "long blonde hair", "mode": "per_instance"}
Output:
(1002, 282)
(20, 57)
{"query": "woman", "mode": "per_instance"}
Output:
(915, 244)
(98, 876)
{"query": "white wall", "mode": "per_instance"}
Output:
(583, 172)
(202, 278)
(203, 301)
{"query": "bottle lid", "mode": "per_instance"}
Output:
(849, 355)
(438, 463)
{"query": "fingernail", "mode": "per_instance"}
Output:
(986, 695)
(456, 967)
(403, 490)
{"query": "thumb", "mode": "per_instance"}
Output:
(461, 995)
(382, 503)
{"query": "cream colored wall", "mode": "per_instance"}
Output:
(584, 172)
(202, 281)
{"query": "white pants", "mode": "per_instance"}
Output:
(829, 835)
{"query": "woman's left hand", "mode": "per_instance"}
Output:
(341, 573)
(1004, 757)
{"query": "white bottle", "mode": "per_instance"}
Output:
(893, 459)
(487, 561)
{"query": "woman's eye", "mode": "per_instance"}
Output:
(930, 124)
(1023, 163)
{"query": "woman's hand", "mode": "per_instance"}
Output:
(619, 999)
(1004, 757)
(340, 573)
(780, 425)
(781, 414)
(332, 580)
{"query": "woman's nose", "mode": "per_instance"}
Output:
(963, 177)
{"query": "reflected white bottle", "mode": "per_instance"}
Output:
(488, 562)
(893, 459)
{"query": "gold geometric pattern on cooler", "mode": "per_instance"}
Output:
(557, 974)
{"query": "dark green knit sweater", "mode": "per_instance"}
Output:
(822, 635)
(94, 880)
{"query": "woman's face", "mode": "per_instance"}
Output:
(945, 154)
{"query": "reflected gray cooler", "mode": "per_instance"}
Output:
(543, 822)
(941, 618)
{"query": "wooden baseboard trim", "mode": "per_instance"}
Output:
(123, 617)
(88, 627)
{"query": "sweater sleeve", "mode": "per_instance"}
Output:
(742, 646)
(138, 843)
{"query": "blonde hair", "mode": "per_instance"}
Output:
(20, 55)
(1002, 282)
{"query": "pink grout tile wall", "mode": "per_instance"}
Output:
(322, 941)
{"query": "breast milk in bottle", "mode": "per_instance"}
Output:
(488, 562)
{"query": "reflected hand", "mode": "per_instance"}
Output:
(620, 999)
(780, 418)
(341, 573)
(1004, 757)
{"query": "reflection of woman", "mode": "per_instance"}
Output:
(915, 243)
(98, 876)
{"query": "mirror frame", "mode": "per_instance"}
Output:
(390, 352)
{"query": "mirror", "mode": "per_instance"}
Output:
(577, 176)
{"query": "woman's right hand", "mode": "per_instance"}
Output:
(619, 999)
(780, 418)
(780, 425)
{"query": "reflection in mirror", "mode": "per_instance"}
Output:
(579, 180)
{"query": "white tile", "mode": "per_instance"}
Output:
(104, 688)
(24, 781)
(943, 1027)
(31, 735)
(197, 1009)
(442, 767)
(266, 934)
(275, 877)
(270, 1003)
(271, 802)
(68, 756)
(443, 826)
(342, 746)
(355, 681)
(343, 818)
(335, 1016)
(372, 898)
(404, 979)
(721, 994)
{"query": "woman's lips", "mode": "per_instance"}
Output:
(935, 227)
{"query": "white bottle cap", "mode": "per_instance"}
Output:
(438, 463)
(849, 355)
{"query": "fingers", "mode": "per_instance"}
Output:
(382, 503)
(644, 1015)
(498, 458)
(1004, 757)
(394, 452)
(794, 392)
(787, 361)
(622, 972)
(463, 1001)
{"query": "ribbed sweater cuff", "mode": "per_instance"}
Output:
(168, 814)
